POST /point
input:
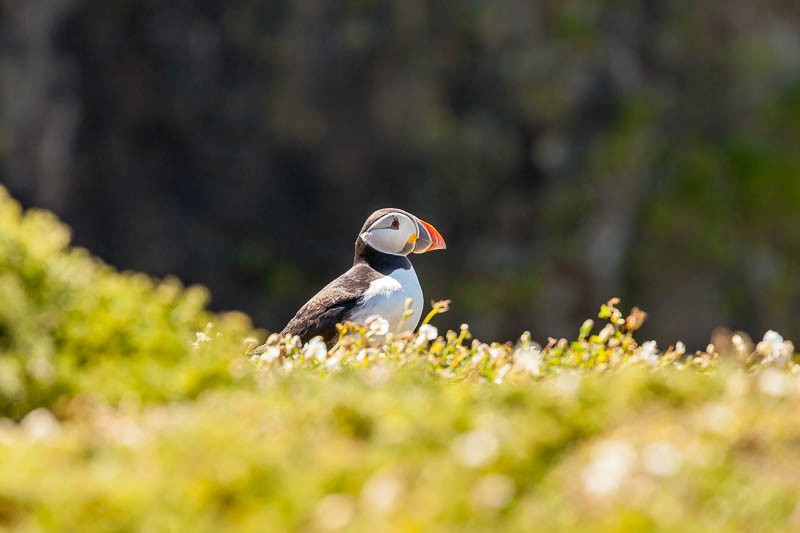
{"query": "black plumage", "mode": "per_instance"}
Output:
(331, 305)
(334, 303)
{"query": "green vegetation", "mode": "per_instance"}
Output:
(129, 408)
(70, 324)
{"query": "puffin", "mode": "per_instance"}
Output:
(378, 283)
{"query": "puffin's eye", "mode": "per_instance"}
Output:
(395, 224)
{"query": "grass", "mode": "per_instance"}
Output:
(128, 407)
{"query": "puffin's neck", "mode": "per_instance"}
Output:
(383, 263)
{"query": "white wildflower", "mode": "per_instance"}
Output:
(649, 352)
(40, 424)
(382, 493)
(294, 343)
(201, 338)
(366, 354)
(739, 344)
(430, 333)
(123, 430)
(502, 373)
(529, 359)
(612, 461)
(493, 491)
(775, 383)
(316, 349)
(717, 417)
(333, 512)
(377, 325)
(661, 459)
(737, 385)
(475, 448)
(773, 339)
(270, 354)
(774, 348)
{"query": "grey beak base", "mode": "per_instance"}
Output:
(424, 240)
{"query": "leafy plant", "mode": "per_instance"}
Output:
(129, 407)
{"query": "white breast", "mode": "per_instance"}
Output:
(386, 297)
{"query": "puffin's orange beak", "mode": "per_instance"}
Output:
(429, 239)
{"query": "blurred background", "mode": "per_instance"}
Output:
(569, 151)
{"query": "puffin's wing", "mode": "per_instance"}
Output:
(332, 305)
(320, 315)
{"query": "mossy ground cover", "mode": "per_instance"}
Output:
(128, 407)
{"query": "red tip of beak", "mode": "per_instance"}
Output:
(429, 239)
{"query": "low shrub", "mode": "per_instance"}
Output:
(126, 406)
(70, 324)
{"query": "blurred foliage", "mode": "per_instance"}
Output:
(569, 151)
(127, 407)
(630, 451)
(69, 323)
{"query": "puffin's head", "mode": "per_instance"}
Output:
(397, 232)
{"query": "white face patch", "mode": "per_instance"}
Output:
(393, 233)
(386, 297)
